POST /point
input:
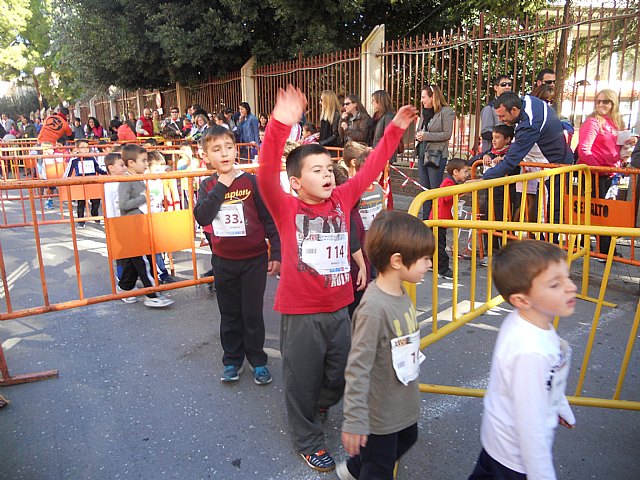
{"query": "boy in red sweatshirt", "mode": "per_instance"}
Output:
(458, 171)
(315, 284)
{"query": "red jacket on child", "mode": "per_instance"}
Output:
(315, 237)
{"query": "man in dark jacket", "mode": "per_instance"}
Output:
(535, 123)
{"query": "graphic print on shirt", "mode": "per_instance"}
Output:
(230, 220)
(323, 246)
(557, 380)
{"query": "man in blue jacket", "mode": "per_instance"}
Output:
(535, 123)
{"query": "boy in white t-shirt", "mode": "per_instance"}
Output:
(526, 398)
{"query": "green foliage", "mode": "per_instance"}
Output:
(133, 44)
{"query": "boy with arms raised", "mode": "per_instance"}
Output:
(229, 201)
(315, 286)
(526, 398)
(382, 399)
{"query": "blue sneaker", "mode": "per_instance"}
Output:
(261, 375)
(49, 204)
(320, 461)
(231, 373)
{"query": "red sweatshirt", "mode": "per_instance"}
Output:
(445, 204)
(302, 290)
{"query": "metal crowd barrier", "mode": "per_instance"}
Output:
(572, 232)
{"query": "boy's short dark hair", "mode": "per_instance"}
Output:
(508, 100)
(296, 157)
(520, 261)
(456, 164)
(361, 159)
(397, 232)
(311, 127)
(215, 132)
(340, 174)
(81, 140)
(150, 141)
(110, 159)
(130, 152)
(506, 131)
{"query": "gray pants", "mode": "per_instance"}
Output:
(314, 351)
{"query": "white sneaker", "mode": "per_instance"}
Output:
(126, 299)
(343, 472)
(159, 301)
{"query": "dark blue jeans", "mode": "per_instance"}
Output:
(430, 177)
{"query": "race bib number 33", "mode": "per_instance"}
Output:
(230, 221)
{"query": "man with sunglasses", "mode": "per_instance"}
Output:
(488, 116)
(546, 77)
(172, 127)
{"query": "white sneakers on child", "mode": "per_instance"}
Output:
(159, 301)
(126, 299)
(343, 472)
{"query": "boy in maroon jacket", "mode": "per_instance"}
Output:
(229, 201)
(315, 284)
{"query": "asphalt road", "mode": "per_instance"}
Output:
(139, 395)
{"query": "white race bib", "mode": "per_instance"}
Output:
(87, 167)
(368, 214)
(407, 357)
(230, 221)
(326, 253)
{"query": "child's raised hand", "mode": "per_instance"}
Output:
(290, 105)
(405, 116)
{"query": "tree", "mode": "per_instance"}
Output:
(131, 44)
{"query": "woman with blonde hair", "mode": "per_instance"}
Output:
(598, 144)
(329, 119)
(435, 129)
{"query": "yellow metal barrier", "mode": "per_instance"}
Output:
(573, 236)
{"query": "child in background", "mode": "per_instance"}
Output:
(115, 166)
(158, 164)
(501, 137)
(360, 266)
(229, 200)
(315, 284)
(526, 399)
(382, 399)
(372, 200)
(132, 200)
(310, 134)
(351, 151)
(458, 171)
(85, 167)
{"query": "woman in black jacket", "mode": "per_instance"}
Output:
(329, 119)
